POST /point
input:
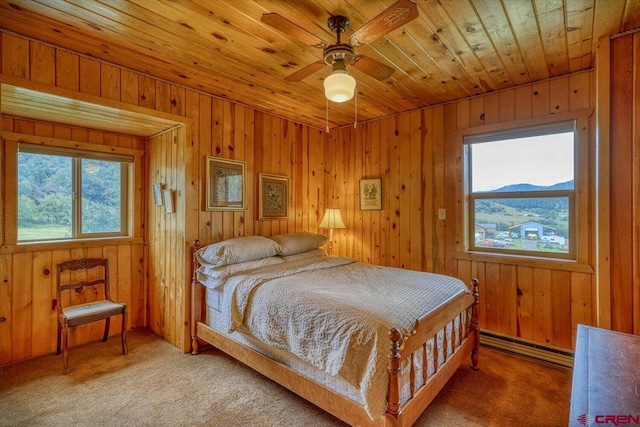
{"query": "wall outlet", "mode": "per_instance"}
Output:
(442, 214)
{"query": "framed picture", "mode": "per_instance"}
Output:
(371, 194)
(274, 197)
(225, 185)
(167, 195)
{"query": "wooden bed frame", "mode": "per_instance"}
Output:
(464, 306)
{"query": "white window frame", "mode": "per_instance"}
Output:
(472, 197)
(76, 156)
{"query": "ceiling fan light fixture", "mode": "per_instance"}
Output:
(339, 86)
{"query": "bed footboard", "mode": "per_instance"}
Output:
(456, 348)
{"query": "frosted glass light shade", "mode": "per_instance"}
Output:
(332, 219)
(339, 86)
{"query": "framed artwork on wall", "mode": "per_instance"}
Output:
(273, 194)
(371, 194)
(225, 185)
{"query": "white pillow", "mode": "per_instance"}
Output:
(295, 243)
(313, 253)
(237, 250)
(213, 277)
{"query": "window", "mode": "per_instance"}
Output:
(521, 191)
(70, 194)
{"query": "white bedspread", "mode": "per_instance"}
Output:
(335, 314)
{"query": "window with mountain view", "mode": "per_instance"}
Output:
(68, 194)
(521, 191)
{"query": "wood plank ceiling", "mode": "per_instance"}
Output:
(454, 49)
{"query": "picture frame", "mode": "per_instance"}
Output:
(157, 194)
(167, 196)
(371, 194)
(225, 185)
(273, 194)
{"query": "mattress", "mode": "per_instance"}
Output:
(216, 319)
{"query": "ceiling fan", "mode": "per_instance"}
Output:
(340, 85)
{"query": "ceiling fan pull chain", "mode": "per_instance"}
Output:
(327, 100)
(355, 114)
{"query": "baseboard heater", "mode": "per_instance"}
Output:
(536, 351)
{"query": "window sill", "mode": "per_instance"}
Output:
(551, 264)
(71, 244)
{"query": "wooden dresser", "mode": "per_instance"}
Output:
(606, 378)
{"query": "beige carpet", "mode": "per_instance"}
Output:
(156, 385)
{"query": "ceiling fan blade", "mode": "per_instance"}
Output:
(394, 17)
(305, 72)
(287, 27)
(375, 69)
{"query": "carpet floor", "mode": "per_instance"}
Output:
(157, 385)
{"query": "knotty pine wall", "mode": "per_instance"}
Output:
(159, 271)
(418, 155)
(623, 68)
(27, 273)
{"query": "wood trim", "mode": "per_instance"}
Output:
(562, 265)
(64, 143)
(602, 170)
(70, 244)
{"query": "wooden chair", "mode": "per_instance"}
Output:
(80, 314)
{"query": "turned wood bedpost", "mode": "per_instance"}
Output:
(393, 396)
(475, 325)
(196, 301)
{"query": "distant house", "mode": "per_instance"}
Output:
(485, 230)
(530, 229)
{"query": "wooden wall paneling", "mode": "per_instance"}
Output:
(491, 108)
(492, 296)
(561, 328)
(15, 56)
(507, 105)
(172, 240)
(478, 272)
(384, 168)
(583, 192)
(129, 81)
(376, 154)
(6, 308)
(364, 137)
(524, 303)
(350, 191)
(258, 159)
(452, 158)
(317, 192)
(274, 139)
(40, 282)
(42, 63)
(394, 193)
(250, 214)
(416, 191)
(67, 70)
(404, 125)
(581, 302)
(10, 193)
(357, 174)
(89, 76)
(523, 104)
(125, 283)
(239, 133)
(301, 166)
(204, 144)
(621, 224)
(507, 300)
(146, 92)
(580, 91)
(477, 111)
(429, 210)
(559, 95)
(635, 196)
(267, 167)
(22, 299)
(109, 82)
(540, 99)
(542, 311)
(439, 141)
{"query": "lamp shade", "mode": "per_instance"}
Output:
(332, 219)
(339, 86)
